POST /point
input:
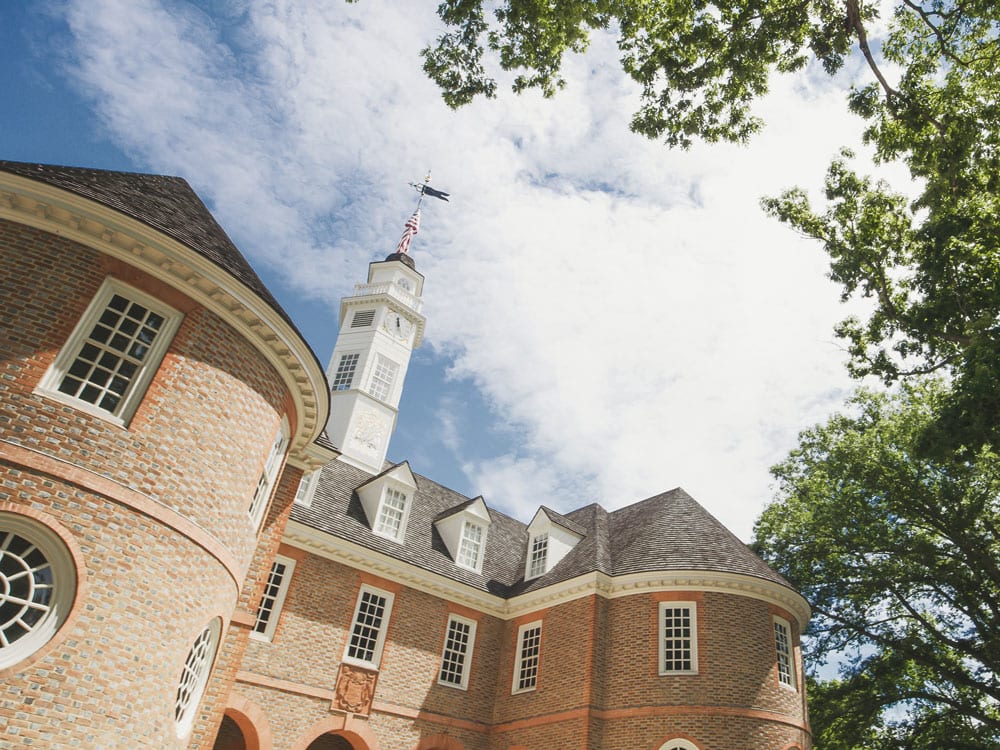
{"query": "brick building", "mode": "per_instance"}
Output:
(202, 544)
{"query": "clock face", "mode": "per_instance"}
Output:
(397, 325)
(404, 284)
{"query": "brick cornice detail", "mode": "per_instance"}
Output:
(100, 227)
(243, 619)
(65, 471)
(429, 716)
(644, 712)
(596, 583)
(286, 686)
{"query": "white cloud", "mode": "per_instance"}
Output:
(628, 311)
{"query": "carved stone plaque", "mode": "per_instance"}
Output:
(355, 689)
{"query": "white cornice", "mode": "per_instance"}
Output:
(595, 583)
(104, 229)
(389, 298)
(314, 457)
(354, 555)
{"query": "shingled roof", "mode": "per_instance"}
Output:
(167, 204)
(670, 531)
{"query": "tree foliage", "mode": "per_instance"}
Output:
(931, 266)
(900, 556)
(700, 64)
(887, 517)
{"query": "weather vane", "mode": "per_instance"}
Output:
(412, 225)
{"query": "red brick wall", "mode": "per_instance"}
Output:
(734, 700)
(598, 686)
(313, 628)
(158, 508)
(200, 435)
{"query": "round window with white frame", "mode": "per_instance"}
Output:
(194, 676)
(37, 586)
(678, 744)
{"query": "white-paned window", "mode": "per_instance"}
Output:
(343, 378)
(383, 377)
(37, 586)
(456, 659)
(112, 354)
(307, 485)
(269, 474)
(470, 548)
(371, 620)
(678, 744)
(194, 676)
(273, 598)
(538, 555)
(783, 647)
(678, 638)
(362, 318)
(529, 651)
(391, 517)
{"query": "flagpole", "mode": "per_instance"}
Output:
(413, 223)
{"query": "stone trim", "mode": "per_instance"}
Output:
(85, 479)
(610, 587)
(285, 686)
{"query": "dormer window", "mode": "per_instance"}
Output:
(464, 530)
(551, 537)
(538, 555)
(391, 513)
(387, 500)
(470, 549)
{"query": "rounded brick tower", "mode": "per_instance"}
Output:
(151, 390)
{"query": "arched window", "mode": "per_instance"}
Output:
(679, 744)
(194, 676)
(269, 474)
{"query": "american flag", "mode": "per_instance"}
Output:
(411, 227)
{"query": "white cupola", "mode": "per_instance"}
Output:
(380, 326)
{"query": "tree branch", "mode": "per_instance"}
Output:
(854, 22)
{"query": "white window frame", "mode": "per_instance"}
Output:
(342, 368)
(385, 509)
(306, 488)
(470, 551)
(678, 744)
(269, 474)
(376, 658)
(46, 564)
(524, 663)
(71, 350)
(272, 602)
(538, 556)
(692, 639)
(383, 378)
(465, 658)
(784, 657)
(194, 676)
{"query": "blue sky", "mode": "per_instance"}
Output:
(607, 319)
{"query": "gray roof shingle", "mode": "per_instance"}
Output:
(670, 531)
(167, 204)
